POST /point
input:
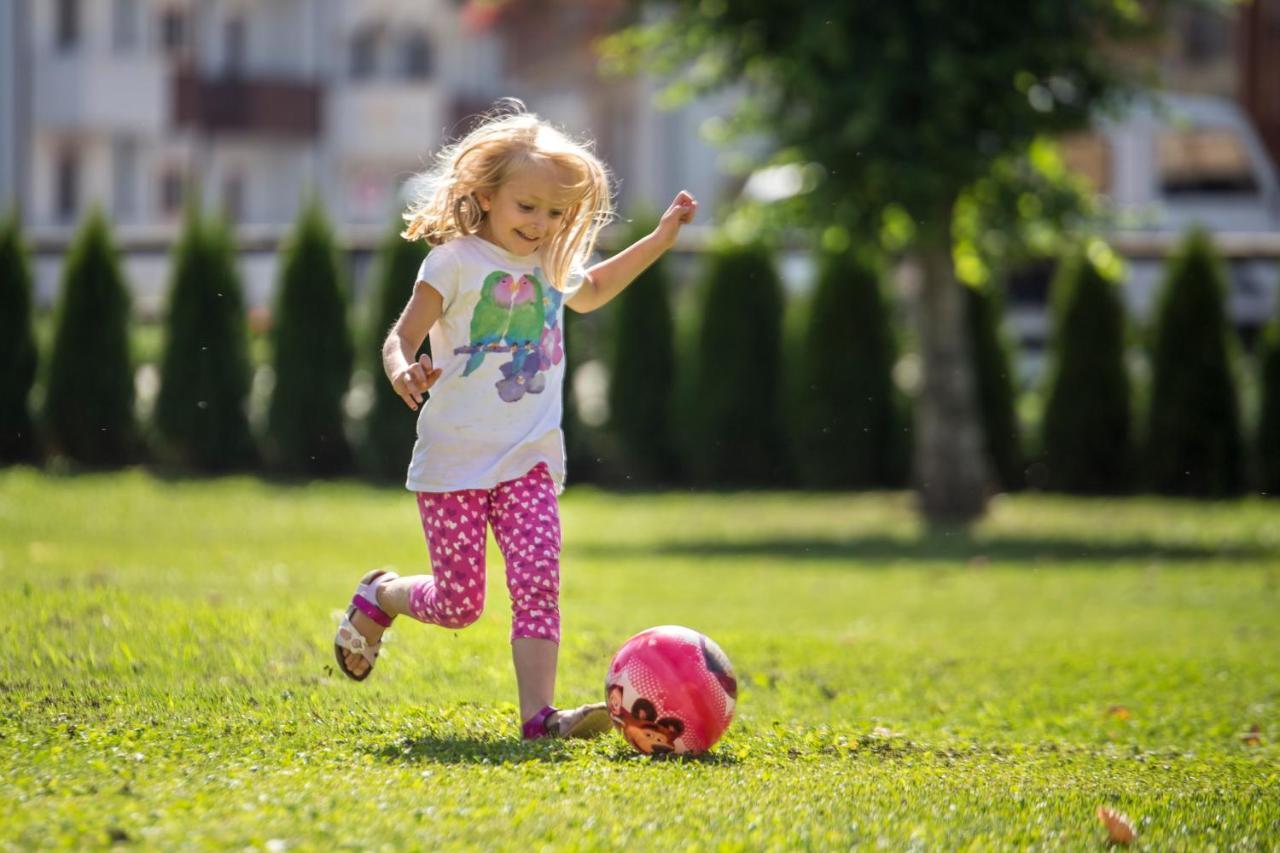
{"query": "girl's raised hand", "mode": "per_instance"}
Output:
(681, 212)
(415, 380)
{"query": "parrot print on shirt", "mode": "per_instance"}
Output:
(520, 316)
(510, 312)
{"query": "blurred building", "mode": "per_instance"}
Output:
(255, 104)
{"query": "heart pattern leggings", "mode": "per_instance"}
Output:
(526, 522)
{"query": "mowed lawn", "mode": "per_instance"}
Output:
(167, 678)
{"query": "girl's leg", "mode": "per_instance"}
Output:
(526, 523)
(454, 524)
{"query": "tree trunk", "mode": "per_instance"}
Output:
(950, 463)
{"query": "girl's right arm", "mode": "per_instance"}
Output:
(411, 379)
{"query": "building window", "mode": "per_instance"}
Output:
(417, 57)
(173, 30)
(1204, 161)
(364, 54)
(67, 26)
(124, 178)
(236, 36)
(171, 184)
(1088, 155)
(67, 186)
(124, 25)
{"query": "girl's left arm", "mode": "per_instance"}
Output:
(608, 278)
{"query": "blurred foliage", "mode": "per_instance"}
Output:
(1087, 440)
(1194, 442)
(846, 418)
(895, 110)
(18, 440)
(1268, 438)
(736, 425)
(389, 429)
(200, 416)
(312, 354)
(642, 370)
(993, 378)
(88, 409)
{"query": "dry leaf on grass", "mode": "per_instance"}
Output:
(1120, 712)
(1118, 826)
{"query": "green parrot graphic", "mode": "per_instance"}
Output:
(510, 311)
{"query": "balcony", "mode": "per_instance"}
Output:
(247, 105)
(380, 120)
(84, 91)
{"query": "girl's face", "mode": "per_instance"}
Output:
(526, 211)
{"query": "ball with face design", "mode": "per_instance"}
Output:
(669, 690)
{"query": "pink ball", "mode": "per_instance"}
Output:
(671, 689)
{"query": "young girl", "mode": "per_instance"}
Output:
(513, 211)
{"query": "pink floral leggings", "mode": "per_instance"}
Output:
(526, 523)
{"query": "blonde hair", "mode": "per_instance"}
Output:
(445, 206)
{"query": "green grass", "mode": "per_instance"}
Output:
(167, 678)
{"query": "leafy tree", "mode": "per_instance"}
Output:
(847, 421)
(18, 442)
(88, 410)
(895, 110)
(389, 428)
(312, 354)
(993, 373)
(1087, 436)
(1194, 443)
(200, 414)
(1269, 420)
(736, 425)
(642, 372)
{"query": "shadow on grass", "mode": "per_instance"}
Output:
(939, 547)
(452, 749)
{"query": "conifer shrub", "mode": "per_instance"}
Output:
(642, 373)
(18, 440)
(89, 400)
(1194, 442)
(312, 354)
(737, 436)
(200, 417)
(1268, 437)
(847, 424)
(390, 427)
(993, 378)
(1087, 443)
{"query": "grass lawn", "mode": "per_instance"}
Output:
(168, 674)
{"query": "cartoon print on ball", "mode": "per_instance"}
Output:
(671, 690)
(519, 316)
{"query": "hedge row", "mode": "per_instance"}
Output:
(737, 398)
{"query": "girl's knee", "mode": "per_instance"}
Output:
(461, 613)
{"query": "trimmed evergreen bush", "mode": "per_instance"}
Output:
(993, 375)
(642, 373)
(1194, 443)
(1269, 419)
(200, 416)
(847, 426)
(735, 421)
(18, 442)
(312, 354)
(88, 412)
(390, 428)
(1087, 442)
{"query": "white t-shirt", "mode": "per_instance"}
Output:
(495, 411)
